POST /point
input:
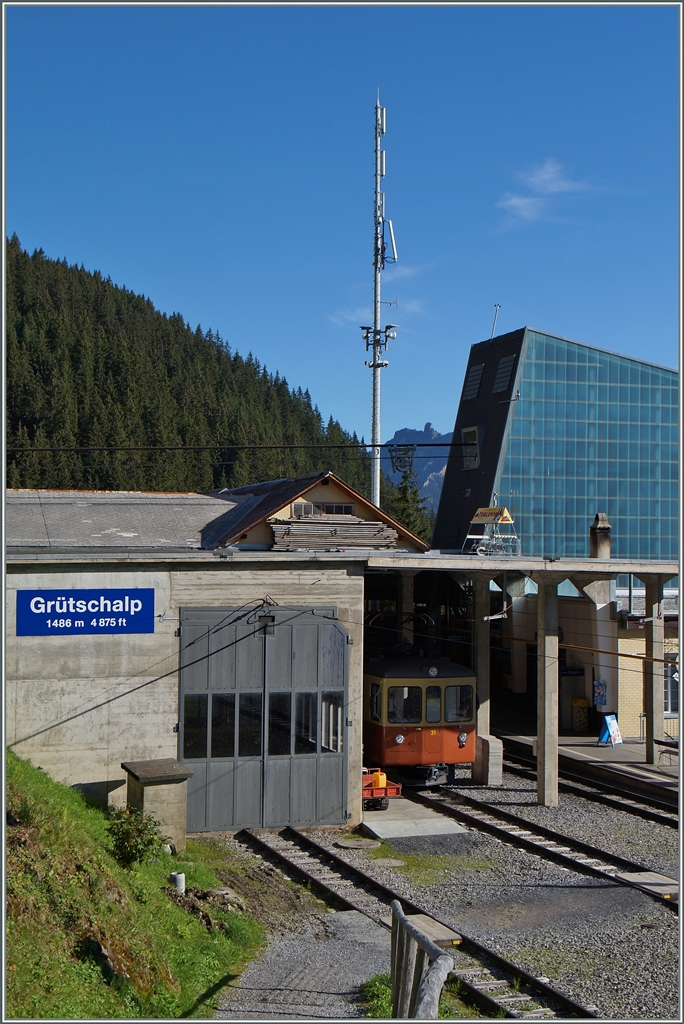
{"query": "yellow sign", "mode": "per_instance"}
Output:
(492, 515)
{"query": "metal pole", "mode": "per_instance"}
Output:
(375, 337)
(378, 254)
(497, 307)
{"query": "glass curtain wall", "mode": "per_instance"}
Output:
(591, 432)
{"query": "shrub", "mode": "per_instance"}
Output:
(135, 836)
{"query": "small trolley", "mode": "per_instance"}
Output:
(377, 790)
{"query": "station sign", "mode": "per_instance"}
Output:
(85, 612)
(492, 515)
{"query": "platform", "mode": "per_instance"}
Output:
(404, 818)
(626, 759)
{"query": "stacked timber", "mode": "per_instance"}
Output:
(330, 533)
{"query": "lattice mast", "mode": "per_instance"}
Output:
(375, 337)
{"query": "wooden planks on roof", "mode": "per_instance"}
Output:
(325, 533)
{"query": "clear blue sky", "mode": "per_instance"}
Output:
(219, 160)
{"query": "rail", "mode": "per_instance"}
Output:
(419, 970)
(497, 987)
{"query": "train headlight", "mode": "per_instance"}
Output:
(462, 738)
(398, 738)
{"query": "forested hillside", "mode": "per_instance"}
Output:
(93, 364)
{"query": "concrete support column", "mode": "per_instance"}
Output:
(406, 605)
(481, 654)
(547, 694)
(654, 670)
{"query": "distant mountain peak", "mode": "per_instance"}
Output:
(429, 463)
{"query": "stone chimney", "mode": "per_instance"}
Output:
(599, 537)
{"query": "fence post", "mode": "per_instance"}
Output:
(427, 1004)
(416, 987)
(398, 936)
(419, 971)
(407, 969)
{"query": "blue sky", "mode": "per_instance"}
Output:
(219, 159)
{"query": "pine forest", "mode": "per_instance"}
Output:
(93, 365)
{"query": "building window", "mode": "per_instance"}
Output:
(471, 388)
(303, 509)
(471, 449)
(671, 690)
(503, 374)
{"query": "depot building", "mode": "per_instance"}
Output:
(224, 630)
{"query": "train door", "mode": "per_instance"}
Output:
(263, 717)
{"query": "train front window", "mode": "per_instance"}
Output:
(458, 703)
(375, 702)
(433, 704)
(404, 704)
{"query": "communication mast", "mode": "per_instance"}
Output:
(375, 337)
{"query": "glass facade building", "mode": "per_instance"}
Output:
(574, 431)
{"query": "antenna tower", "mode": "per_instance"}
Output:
(375, 337)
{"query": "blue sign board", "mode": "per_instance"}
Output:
(85, 612)
(610, 731)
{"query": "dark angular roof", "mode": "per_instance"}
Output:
(255, 503)
(251, 505)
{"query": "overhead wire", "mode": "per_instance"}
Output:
(270, 603)
(349, 446)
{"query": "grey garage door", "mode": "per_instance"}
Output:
(263, 717)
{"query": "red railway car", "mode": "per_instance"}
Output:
(418, 717)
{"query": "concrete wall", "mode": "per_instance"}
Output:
(79, 706)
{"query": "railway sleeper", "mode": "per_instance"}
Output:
(475, 979)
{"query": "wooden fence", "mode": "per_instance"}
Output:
(419, 970)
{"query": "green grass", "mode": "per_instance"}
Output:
(428, 869)
(87, 938)
(376, 994)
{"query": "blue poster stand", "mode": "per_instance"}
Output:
(610, 731)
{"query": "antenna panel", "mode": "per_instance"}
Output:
(392, 242)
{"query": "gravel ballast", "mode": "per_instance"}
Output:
(598, 942)
(619, 832)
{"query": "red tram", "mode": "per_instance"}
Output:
(418, 718)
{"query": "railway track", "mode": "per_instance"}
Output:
(565, 850)
(637, 791)
(488, 981)
(626, 801)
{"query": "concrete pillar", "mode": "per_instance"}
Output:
(481, 641)
(654, 670)
(406, 605)
(547, 694)
(481, 653)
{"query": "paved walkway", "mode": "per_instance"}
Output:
(315, 975)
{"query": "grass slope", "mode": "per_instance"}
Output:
(89, 939)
